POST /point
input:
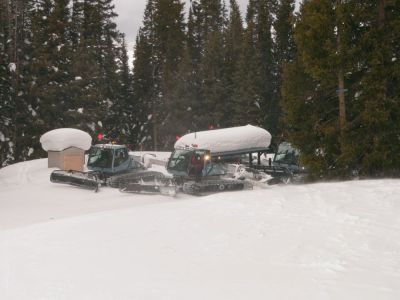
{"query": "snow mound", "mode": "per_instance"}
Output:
(330, 241)
(63, 138)
(232, 140)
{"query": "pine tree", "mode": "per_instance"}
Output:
(284, 50)
(23, 114)
(359, 52)
(143, 88)
(234, 48)
(194, 34)
(6, 150)
(77, 17)
(256, 92)
(94, 85)
(327, 63)
(186, 98)
(247, 92)
(192, 87)
(212, 17)
(60, 66)
(170, 37)
(267, 80)
(212, 65)
(126, 110)
(121, 115)
(371, 145)
(323, 58)
(310, 118)
(284, 40)
(50, 66)
(163, 35)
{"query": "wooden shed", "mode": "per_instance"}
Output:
(72, 158)
(66, 148)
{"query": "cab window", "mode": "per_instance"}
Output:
(179, 160)
(121, 155)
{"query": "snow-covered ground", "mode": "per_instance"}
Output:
(321, 241)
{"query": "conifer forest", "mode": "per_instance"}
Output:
(325, 76)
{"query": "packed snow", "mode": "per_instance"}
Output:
(222, 141)
(63, 138)
(321, 241)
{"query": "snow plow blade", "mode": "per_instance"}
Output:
(80, 179)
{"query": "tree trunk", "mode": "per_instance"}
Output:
(342, 102)
(382, 14)
(341, 86)
(155, 132)
(14, 79)
(383, 59)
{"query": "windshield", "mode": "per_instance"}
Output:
(100, 157)
(179, 160)
(286, 154)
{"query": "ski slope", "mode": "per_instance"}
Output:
(321, 241)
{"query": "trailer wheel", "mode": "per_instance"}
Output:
(221, 187)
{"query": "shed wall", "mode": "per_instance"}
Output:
(68, 159)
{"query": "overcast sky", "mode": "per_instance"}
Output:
(130, 15)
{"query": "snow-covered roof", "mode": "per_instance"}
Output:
(64, 138)
(234, 140)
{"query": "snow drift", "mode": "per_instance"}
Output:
(234, 140)
(321, 241)
(63, 138)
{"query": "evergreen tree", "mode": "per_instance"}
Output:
(191, 79)
(194, 34)
(121, 114)
(371, 145)
(234, 47)
(6, 134)
(212, 65)
(125, 108)
(284, 49)
(310, 117)
(94, 86)
(170, 37)
(212, 17)
(163, 35)
(61, 65)
(360, 53)
(323, 58)
(186, 98)
(327, 62)
(284, 40)
(50, 66)
(255, 88)
(76, 24)
(268, 91)
(23, 113)
(143, 88)
(247, 93)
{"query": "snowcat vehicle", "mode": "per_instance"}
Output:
(201, 164)
(112, 165)
(285, 166)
